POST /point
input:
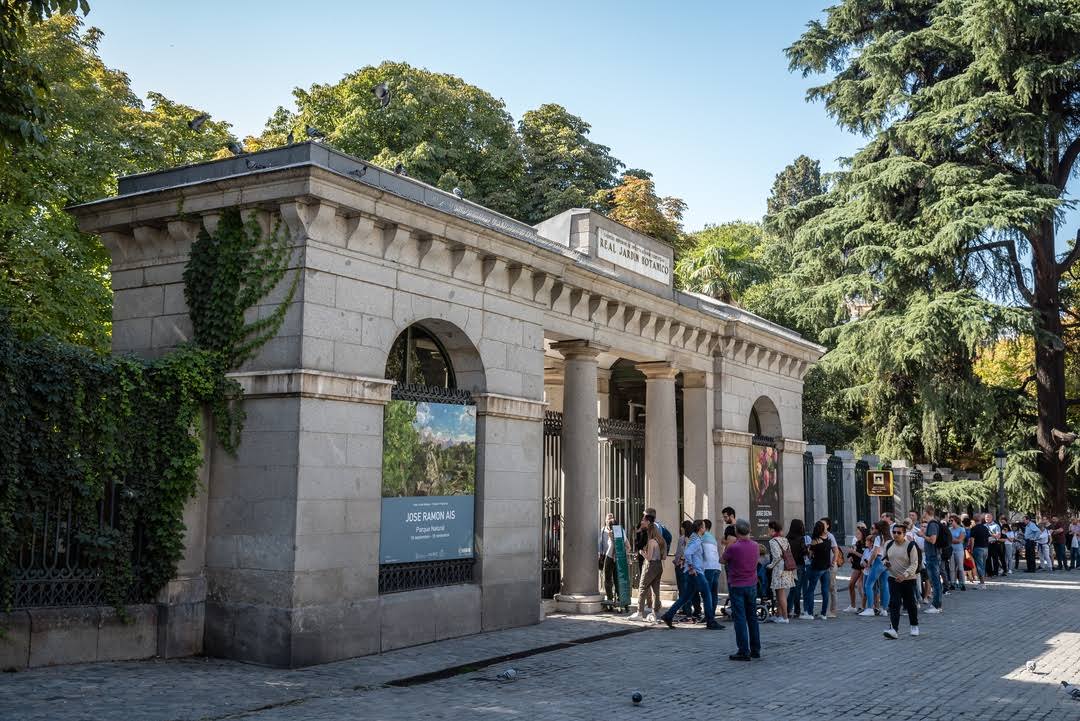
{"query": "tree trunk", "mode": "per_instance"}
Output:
(1049, 370)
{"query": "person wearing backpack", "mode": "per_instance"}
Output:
(782, 565)
(932, 533)
(943, 544)
(902, 560)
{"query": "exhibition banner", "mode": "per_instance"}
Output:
(429, 481)
(764, 489)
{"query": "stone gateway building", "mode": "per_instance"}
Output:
(454, 401)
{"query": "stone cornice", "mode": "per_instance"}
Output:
(328, 199)
(791, 445)
(724, 437)
(494, 404)
(305, 383)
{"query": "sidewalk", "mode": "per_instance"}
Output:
(204, 689)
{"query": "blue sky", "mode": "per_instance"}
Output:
(696, 92)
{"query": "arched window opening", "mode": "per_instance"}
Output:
(755, 423)
(418, 358)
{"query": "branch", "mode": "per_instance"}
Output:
(1018, 272)
(1030, 379)
(1072, 401)
(1074, 254)
(1064, 169)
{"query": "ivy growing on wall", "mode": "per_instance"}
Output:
(227, 274)
(75, 426)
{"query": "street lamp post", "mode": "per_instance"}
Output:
(999, 461)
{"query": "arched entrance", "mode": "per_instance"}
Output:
(766, 466)
(427, 532)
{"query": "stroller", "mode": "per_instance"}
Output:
(764, 605)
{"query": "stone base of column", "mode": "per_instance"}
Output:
(669, 591)
(578, 603)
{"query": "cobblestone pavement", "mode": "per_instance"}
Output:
(822, 670)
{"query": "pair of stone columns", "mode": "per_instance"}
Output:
(581, 484)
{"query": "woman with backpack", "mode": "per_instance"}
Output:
(782, 564)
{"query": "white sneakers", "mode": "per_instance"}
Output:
(651, 618)
(914, 630)
(933, 609)
(850, 609)
(818, 617)
(806, 617)
(867, 612)
(890, 633)
(635, 616)
(780, 619)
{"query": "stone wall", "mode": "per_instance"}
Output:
(50, 636)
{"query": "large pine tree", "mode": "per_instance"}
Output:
(944, 230)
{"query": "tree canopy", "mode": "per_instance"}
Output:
(915, 257)
(441, 129)
(722, 261)
(635, 204)
(54, 279)
(563, 168)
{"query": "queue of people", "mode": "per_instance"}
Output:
(907, 565)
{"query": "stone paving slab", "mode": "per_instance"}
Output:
(821, 670)
(205, 688)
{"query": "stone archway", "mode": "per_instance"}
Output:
(764, 419)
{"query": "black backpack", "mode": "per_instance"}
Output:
(944, 538)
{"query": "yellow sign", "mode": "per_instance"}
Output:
(879, 483)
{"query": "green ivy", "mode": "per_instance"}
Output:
(74, 423)
(227, 274)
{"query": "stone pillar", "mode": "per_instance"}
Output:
(876, 506)
(581, 494)
(821, 484)
(661, 449)
(698, 457)
(791, 479)
(553, 387)
(847, 482)
(901, 487)
(603, 393)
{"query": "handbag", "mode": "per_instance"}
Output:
(969, 562)
(789, 557)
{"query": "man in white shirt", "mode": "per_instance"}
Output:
(997, 547)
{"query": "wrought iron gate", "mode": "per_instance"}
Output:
(915, 481)
(808, 486)
(862, 500)
(621, 466)
(622, 479)
(551, 522)
(835, 481)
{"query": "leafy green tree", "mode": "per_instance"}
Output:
(441, 129)
(972, 109)
(54, 279)
(635, 204)
(722, 261)
(798, 181)
(563, 168)
(23, 85)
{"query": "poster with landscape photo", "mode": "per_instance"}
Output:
(429, 481)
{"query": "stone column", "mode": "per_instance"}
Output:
(821, 484)
(603, 393)
(553, 387)
(851, 510)
(791, 489)
(581, 495)
(662, 449)
(698, 457)
(901, 487)
(876, 506)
